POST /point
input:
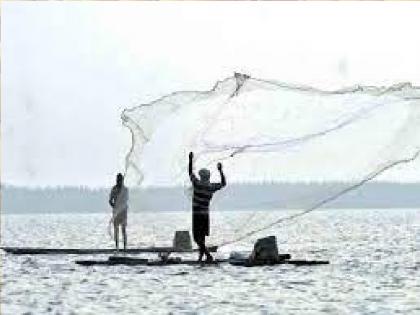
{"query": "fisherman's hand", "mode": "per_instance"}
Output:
(219, 166)
(191, 155)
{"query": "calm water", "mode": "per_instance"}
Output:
(374, 268)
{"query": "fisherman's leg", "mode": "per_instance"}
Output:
(124, 232)
(116, 232)
(201, 249)
(198, 241)
(209, 257)
(206, 230)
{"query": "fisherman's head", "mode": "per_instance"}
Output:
(120, 179)
(204, 175)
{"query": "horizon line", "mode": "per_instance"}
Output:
(249, 183)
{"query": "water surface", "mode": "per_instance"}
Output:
(374, 268)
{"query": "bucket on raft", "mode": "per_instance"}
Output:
(182, 241)
(265, 252)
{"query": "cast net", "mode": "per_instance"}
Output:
(266, 133)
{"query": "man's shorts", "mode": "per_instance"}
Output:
(120, 217)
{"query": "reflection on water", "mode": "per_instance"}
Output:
(374, 267)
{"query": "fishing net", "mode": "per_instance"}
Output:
(266, 133)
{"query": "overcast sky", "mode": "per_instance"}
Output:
(70, 68)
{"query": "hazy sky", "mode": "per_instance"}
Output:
(70, 68)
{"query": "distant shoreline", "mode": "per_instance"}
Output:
(236, 196)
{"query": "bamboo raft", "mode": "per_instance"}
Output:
(242, 259)
(130, 261)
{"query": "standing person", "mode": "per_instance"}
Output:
(203, 192)
(118, 199)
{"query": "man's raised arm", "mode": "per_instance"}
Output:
(190, 167)
(222, 175)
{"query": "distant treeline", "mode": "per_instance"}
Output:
(236, 196)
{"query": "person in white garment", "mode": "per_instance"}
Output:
(118, 199)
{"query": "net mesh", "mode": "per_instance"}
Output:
(264, 131)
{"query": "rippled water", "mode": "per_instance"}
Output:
(374, 268)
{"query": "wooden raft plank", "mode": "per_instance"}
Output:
(129, 261)
(91, 251)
